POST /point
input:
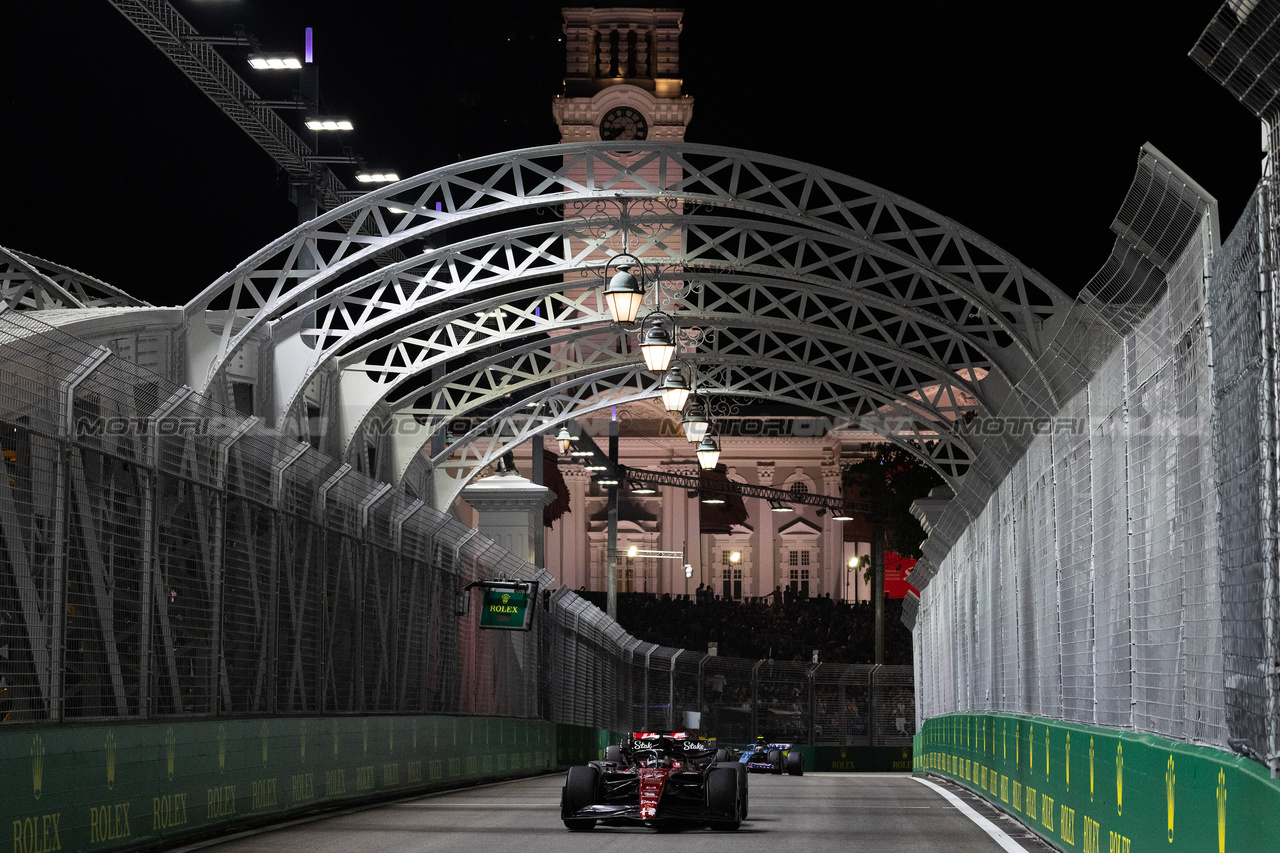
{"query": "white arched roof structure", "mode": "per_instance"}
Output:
(471, 294)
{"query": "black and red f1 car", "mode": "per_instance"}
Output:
(654, 778)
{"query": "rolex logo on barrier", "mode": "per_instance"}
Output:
(170, 751)
(111, 759)
(1119, 778)
(222, 747)
(1168, 786)
(37, 765)
(1222, 811)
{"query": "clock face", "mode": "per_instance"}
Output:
(623, 123)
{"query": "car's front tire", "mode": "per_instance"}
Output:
(723, 798)
(795, 763)
(741, 769)
(580, 785)
(775, 761)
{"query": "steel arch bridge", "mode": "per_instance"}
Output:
(473, 292)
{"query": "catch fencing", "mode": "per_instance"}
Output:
(1122, 573)
(613, 681)
(163, 556)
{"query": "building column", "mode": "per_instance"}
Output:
(766, 555)
(832, 531)
(510, 508)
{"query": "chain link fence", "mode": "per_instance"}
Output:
(733, 699)
(161, 555)
(1123, 572)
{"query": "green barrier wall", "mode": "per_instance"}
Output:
(859, 759)
(114, 787)
(1096, 790)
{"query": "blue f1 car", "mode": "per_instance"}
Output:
(772, 758)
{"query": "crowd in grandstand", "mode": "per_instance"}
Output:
(781, 626)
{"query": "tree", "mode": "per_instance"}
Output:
(890, 480)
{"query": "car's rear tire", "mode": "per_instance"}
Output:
(613, 753)
(775, 762)
(741, 769)
(722, 754)
(795, 763)
(723, 798)
(580, 785)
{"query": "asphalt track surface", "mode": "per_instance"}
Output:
(816, 813)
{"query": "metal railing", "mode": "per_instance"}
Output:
(162, 555)
(632, 685)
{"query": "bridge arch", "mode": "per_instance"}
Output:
(476, 277)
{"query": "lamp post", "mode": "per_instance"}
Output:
(695, 420)
(624, 292)
(675, 389)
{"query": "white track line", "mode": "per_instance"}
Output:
(1001, 837)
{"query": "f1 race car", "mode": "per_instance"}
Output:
(772, 758)
(655, 778)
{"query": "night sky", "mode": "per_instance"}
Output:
(1021, 121)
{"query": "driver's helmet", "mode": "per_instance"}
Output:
(650, 758)
(760, 741)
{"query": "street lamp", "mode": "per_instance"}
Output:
(708, 453)
(624, 291)
(563, 440)
(695, 420)
(657, 346)
(675, 389)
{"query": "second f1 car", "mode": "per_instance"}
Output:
(774, 758)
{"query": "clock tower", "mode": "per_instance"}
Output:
(622, 76)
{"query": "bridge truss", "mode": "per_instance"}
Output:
(472, 293)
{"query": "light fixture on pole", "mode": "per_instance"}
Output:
(675, 389)
(841, 514)
(563, 440)
(657, 345)
(367, 177)
(779, 506)
(708, 452)
(328, 123)
(274, 62)
(639, 487)
(695, 420)
(624, 292)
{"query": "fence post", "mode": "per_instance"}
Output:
(57, 587)
(671, 693)
(871, 705)
(320, 507)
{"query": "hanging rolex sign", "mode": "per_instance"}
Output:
(507, 605)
